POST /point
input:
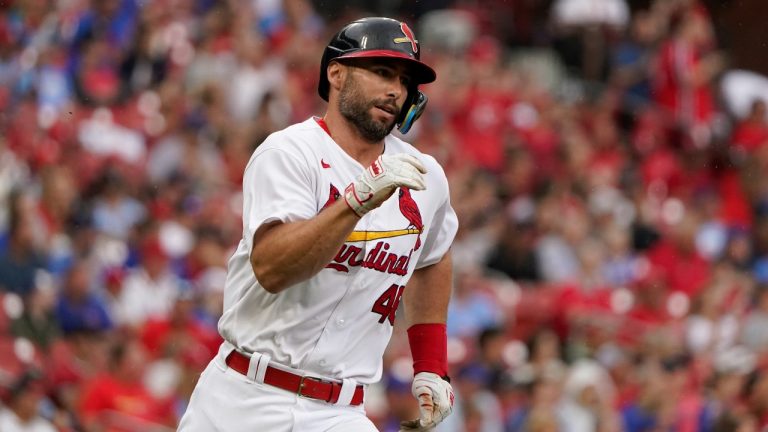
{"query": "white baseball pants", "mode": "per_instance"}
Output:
(227, 401)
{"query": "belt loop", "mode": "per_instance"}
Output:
(253, 362)
(257, 368)
(225, 350)
(348, 387)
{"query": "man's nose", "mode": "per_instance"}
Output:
(395, 89)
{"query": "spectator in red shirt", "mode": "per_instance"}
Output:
(180, 333)
(607, 159)
(481, 126)
(684, 75)
(118, 401)
(752, 131)
(651, 293)
(685, 269)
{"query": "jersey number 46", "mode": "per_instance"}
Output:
(386, 305)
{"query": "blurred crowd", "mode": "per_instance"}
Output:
(611, 266)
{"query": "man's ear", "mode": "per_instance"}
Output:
(336, 75)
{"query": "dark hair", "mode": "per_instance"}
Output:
(727, 422)
(23, 382)
(487, 335)
(675, 362)
(117, 353)
(14, 213)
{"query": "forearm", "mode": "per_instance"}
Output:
(426, 308)
(290, 253)
(428, 293)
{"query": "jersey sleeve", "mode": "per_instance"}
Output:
(277, 187)
(440, 235)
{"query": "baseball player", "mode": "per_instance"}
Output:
(341, 220)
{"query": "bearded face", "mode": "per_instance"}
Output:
(356, 108)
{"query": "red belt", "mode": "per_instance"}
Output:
(305, 386)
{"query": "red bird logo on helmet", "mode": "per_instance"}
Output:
(409, 37)
(410, 210)
(333, 196)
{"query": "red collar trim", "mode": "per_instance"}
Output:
(320, 121)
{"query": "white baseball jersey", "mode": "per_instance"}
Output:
(337, 323)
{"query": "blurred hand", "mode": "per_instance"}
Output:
(435, 396)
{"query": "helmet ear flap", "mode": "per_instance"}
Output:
(413, 108)
(323, 86)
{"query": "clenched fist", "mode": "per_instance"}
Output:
(435, 396)
(381, 178)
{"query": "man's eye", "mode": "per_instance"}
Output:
(405, 81)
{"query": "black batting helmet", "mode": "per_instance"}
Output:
(378, 37)
(375, 37)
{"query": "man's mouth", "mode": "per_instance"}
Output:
(389, 109)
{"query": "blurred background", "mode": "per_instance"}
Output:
(606, 160)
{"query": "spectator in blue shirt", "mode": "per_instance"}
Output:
(78, 308)
(21, 259)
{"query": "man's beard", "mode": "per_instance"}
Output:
(356, 109)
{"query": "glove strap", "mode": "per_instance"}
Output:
(354, 203)
(429, 347)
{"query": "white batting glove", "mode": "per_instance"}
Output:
(435, 396)
(378, 181)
